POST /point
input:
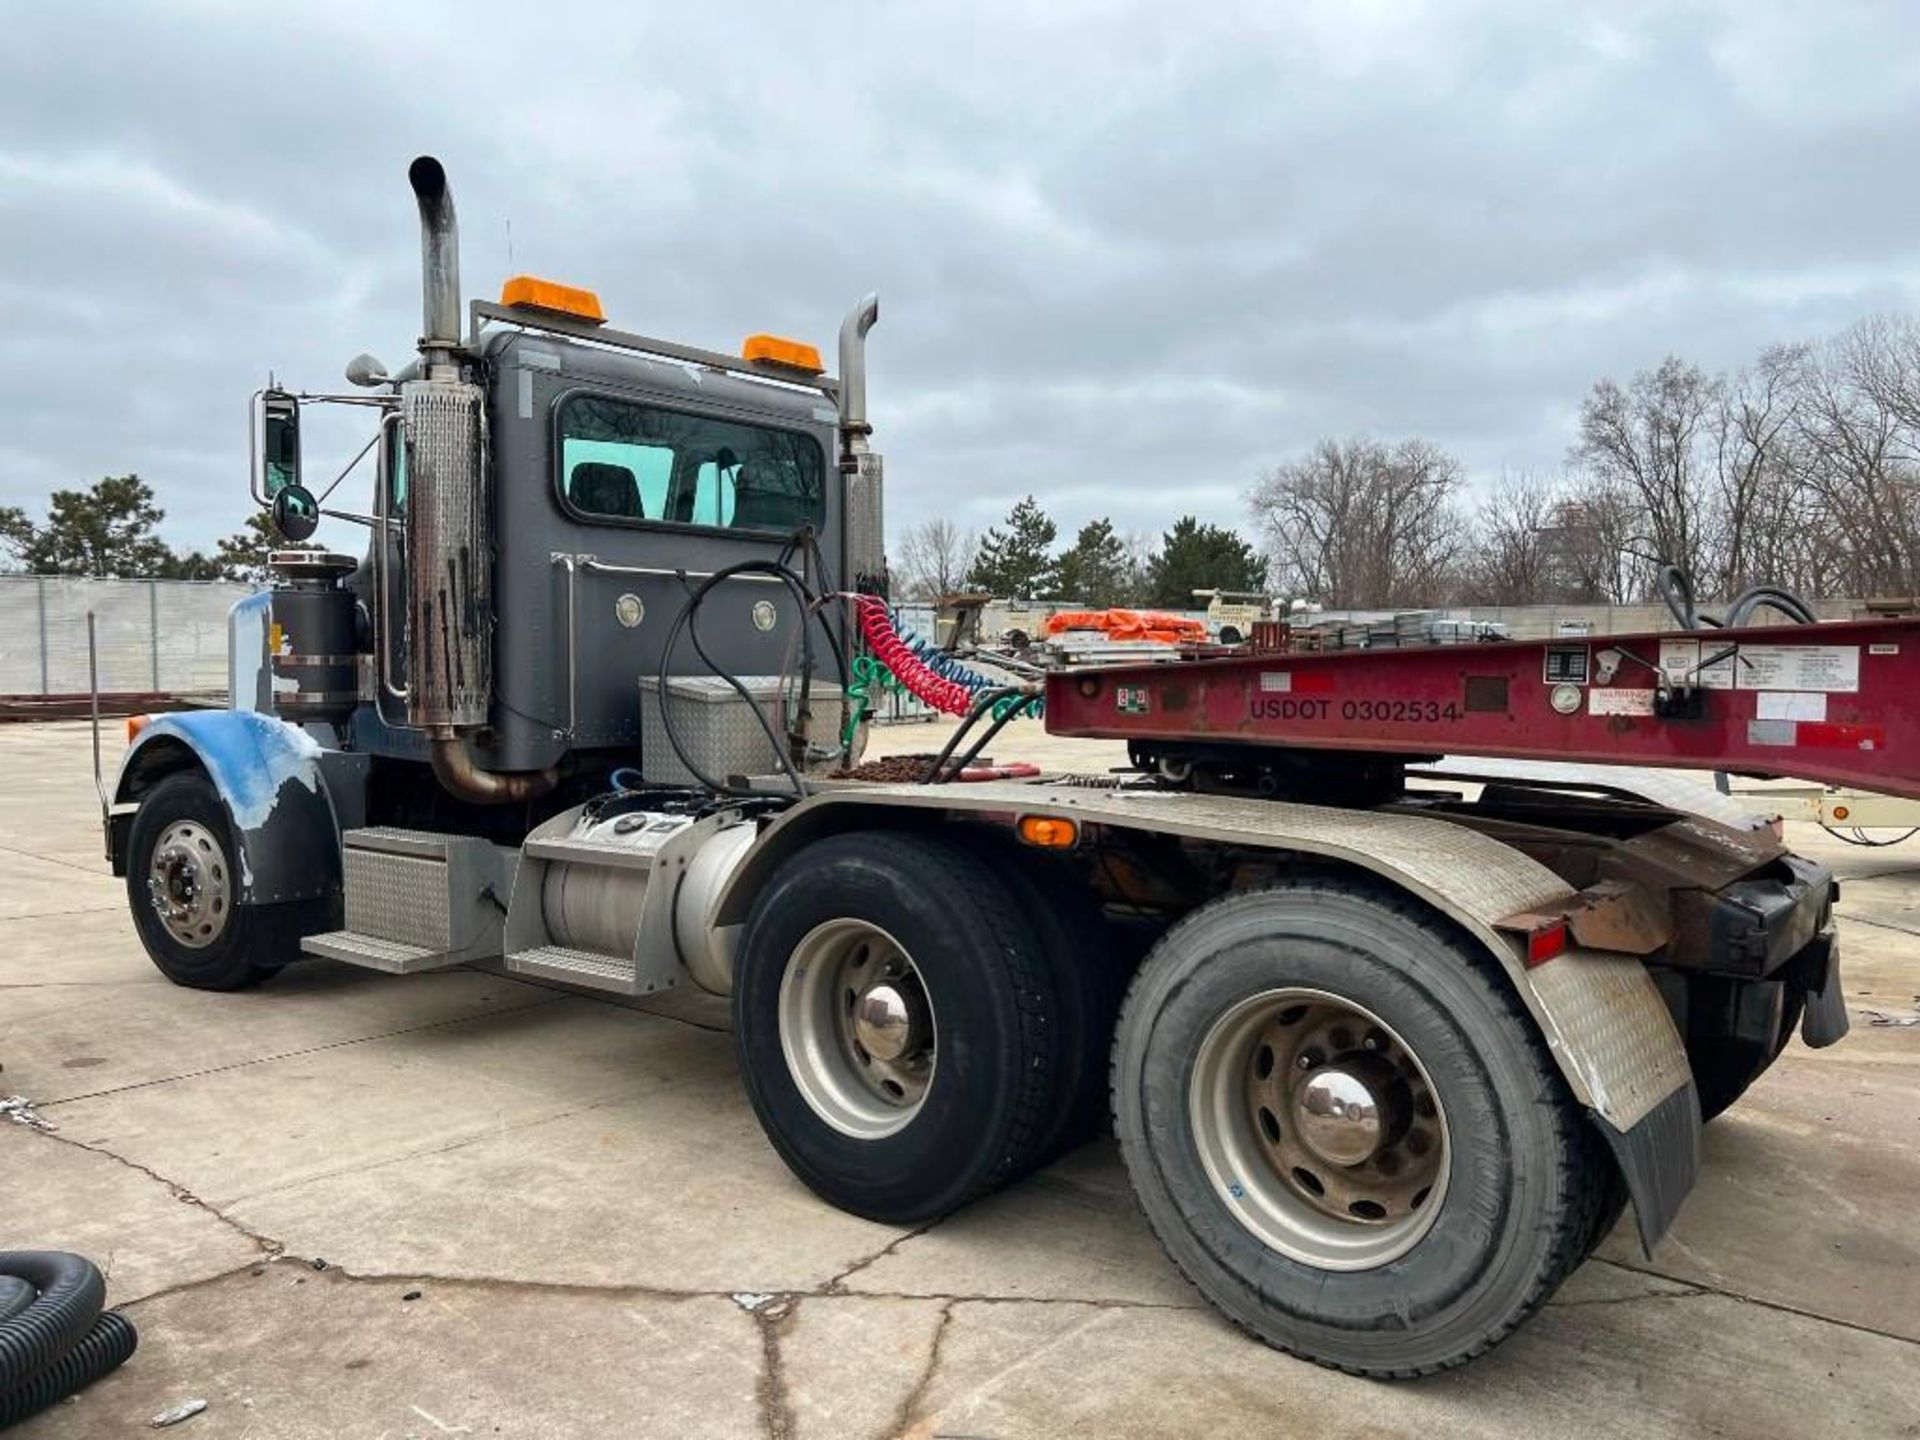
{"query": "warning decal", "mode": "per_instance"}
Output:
(1620, 701)
(1798, 667)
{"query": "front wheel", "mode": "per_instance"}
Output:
(1347, 1133)
(183, 887)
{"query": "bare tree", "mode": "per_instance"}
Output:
(1760, 509)
(935, 556)
(1857, 429)
(1653, 437)
(1360, 522)
(1518, 555)
(1598, 556)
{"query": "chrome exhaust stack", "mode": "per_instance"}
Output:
(439, 267)
(866, 539)
(449, 546)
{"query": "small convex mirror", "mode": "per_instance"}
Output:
(295, 513)
(279, 441)
(365, 371)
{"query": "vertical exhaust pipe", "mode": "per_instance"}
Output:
(865, 563)
(450, 524)
(439, 263)
(854, 427)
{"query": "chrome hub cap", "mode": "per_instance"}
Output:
(856, 1028)
(189, 884)
(1319, 1129)
(884, 1023)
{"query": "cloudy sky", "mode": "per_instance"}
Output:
(1129, 255)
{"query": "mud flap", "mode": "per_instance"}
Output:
(1620, 1051)
(1660, 1157)
(1825, 1020)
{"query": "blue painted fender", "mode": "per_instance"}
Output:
(268, 774)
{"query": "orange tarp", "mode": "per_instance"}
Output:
(1131, 625)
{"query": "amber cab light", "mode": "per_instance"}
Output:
(550, 297)
(788, 354)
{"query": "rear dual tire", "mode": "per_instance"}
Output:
(1323, 1255)
(925, 1068)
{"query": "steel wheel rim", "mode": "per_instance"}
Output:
(1272, 1099)
(857, 1028)
(190, 884)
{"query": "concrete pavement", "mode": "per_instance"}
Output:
(597, 1240)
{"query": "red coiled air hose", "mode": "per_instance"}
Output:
(876, 625)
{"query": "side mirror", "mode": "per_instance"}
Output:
(279, 441)
(366, 372)
(295, 513)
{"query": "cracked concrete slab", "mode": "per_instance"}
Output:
(38, 887)
(302, 1355)
(674, 1189)
(852, 1364)
(92, 946)
(144, 1235)
(579, 1189)
(1071, 1232)
(86, 1041)
(1018, 1369)
(1811, 1178)
(234, 1132)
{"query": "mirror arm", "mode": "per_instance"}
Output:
(349, 468)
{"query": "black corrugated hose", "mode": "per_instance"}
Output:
(54, 1338)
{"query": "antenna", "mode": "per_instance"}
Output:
(510, 269)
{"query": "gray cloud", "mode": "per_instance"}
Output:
(1130, 255)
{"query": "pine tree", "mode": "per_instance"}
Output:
(243, 554)
(1016, 563)
(107, 530)
(1097, 571)
(1202, 557)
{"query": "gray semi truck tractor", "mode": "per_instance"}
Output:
(1384, 1063)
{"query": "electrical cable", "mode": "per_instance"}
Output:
(983, 703)
(1775, 597)
(1003, 715)
(687, 622)
(1859, 837)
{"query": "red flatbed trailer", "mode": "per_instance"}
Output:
(1837, 703)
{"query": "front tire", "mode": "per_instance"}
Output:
(1347, 1133)
(897, 1025)
(183, 887)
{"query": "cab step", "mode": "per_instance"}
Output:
(375, 953)
(418, 900)
(576, 967)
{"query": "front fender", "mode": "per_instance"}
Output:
(269, 777)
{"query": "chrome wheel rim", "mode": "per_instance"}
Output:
(1319, 1129)
(189, 884)
(857, 1028)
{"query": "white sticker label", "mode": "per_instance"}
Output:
(1276, 681)
(1680, 663)
(1789, 705)
(1799, 667)
(1619, 701)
